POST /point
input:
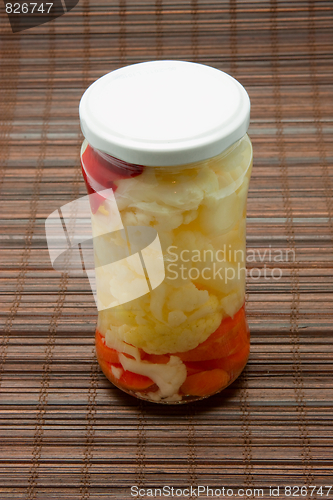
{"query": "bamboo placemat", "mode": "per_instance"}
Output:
(66, 433)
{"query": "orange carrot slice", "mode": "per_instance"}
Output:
(193, 367)
(128, 380)
(226, 340)
(235, 362)
(134, 381)
(205, 383)
(155, 358)
(108, 357)
(106, 369)
(103, 351)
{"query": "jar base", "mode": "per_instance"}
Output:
(189, 376)
(183, 399)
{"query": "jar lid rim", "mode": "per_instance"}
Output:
(164, 113)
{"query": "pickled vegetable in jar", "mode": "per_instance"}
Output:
(167, 162)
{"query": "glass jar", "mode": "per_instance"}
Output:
(168, 186)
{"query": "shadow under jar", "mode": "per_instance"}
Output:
(168, 142)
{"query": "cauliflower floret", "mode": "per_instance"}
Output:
(218, 267)
(188, 298)
(162, 339)
(219, 214)
(120, 282)
(162, 217)
(133, 217)
(157, 302)
(233, 302)
(183, 190)
(168, 322)
(186, 191)
(176, 317)
(140, 188)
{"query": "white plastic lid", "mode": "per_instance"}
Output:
(164, 113)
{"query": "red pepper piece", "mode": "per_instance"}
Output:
(101, 170)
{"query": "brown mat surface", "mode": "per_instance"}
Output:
(65, 433)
